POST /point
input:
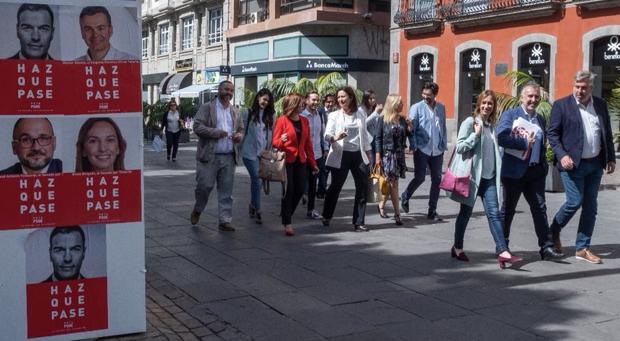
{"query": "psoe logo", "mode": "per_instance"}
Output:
(614, 48)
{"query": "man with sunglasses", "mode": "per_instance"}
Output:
(34, 144)
(96, 29)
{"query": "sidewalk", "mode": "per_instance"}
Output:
(392, 283)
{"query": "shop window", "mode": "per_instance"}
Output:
(605, 63)
(535, 60)
(252, 52)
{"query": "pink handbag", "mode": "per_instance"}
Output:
(453, 183)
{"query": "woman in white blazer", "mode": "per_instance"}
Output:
(349, 151)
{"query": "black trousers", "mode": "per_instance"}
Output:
(312, 183)
(295, 182)
(351, 161)
(172, 143)
(532, 185)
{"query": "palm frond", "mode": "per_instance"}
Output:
(304, 86)
(248, 97)
(329, 83)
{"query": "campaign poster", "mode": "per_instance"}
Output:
(67, 280)
(71, 217)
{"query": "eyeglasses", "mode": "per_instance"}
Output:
(27, 141)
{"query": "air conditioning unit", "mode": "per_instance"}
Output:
(253, 18)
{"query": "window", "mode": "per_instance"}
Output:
(330, 46)
(145, 44)
(163, 38)
(252, 52)
(187, 40)
(215, 26)
(287, 47)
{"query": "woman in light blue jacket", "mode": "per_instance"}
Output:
(258, 122)
(477, 154)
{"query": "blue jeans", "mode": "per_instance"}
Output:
(581, 186)
(252, 167)
(488, 192)
(420, 162)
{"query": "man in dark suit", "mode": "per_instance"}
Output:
(35, 31)
(527, 175)
(581, 138)
(67, 250)
(34, 144)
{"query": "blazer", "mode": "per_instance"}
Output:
(205, 124)
(293, 148)
(422, 125)
(513, 167)
(566, 134)
(336, 124)
(55, 166)
(384, 140)
(469, 148)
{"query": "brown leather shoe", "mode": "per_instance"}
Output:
(194, 218)
(588, 256)
(557, 243)
(227, 227)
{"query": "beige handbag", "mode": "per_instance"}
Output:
(272, 165)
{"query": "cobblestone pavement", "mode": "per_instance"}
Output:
(393, 283)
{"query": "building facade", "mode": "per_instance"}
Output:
(294, 39)
(467, 46)
(184, 49)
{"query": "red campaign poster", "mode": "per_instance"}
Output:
(54, 87)
(70, 198)
(106, 197)
(30, 200)
(69, 306)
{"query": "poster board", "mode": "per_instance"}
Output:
(71, 162)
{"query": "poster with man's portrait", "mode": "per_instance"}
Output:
(66, 280)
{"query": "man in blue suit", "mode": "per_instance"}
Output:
(527, 175)
(429, 143)
(581, 138)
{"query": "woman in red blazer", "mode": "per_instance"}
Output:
(292, 135)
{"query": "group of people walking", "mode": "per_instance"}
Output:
(344, 136)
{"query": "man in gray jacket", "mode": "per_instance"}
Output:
(220, 129)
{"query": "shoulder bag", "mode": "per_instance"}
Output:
(453, 183)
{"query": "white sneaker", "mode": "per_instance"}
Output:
(314, 215)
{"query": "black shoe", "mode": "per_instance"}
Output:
(227, 227)
(258, 218)
(404, 203)
(548, 253)
(168, 157)
(432, 215)
(360, 228)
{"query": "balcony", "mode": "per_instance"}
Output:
(292, 6)
(470, 13)
(422, 16)
(253, 11)
(592, 5)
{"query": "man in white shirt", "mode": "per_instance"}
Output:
(220, 129)
(581, 138)
(96, 28)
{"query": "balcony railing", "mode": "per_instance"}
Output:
(467, 13)
(291, 6)
(419, 12)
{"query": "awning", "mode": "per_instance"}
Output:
(194, 90)
(154, 78)
(175, 82)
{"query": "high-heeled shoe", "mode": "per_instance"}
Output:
(397, 218)
(288, 231)
(382, 213)
(510, 260)
(459, 256)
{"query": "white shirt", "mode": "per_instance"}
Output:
(351, 127)
(173, 121)
(224, 122)
(113, 54)
(591, 130)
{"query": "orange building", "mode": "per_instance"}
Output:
(466, 46)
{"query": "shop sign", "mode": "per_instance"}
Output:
(535, 54)
(613, 49)
(326, 65)
(184, 65)
(423, 63)
(474, 60)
